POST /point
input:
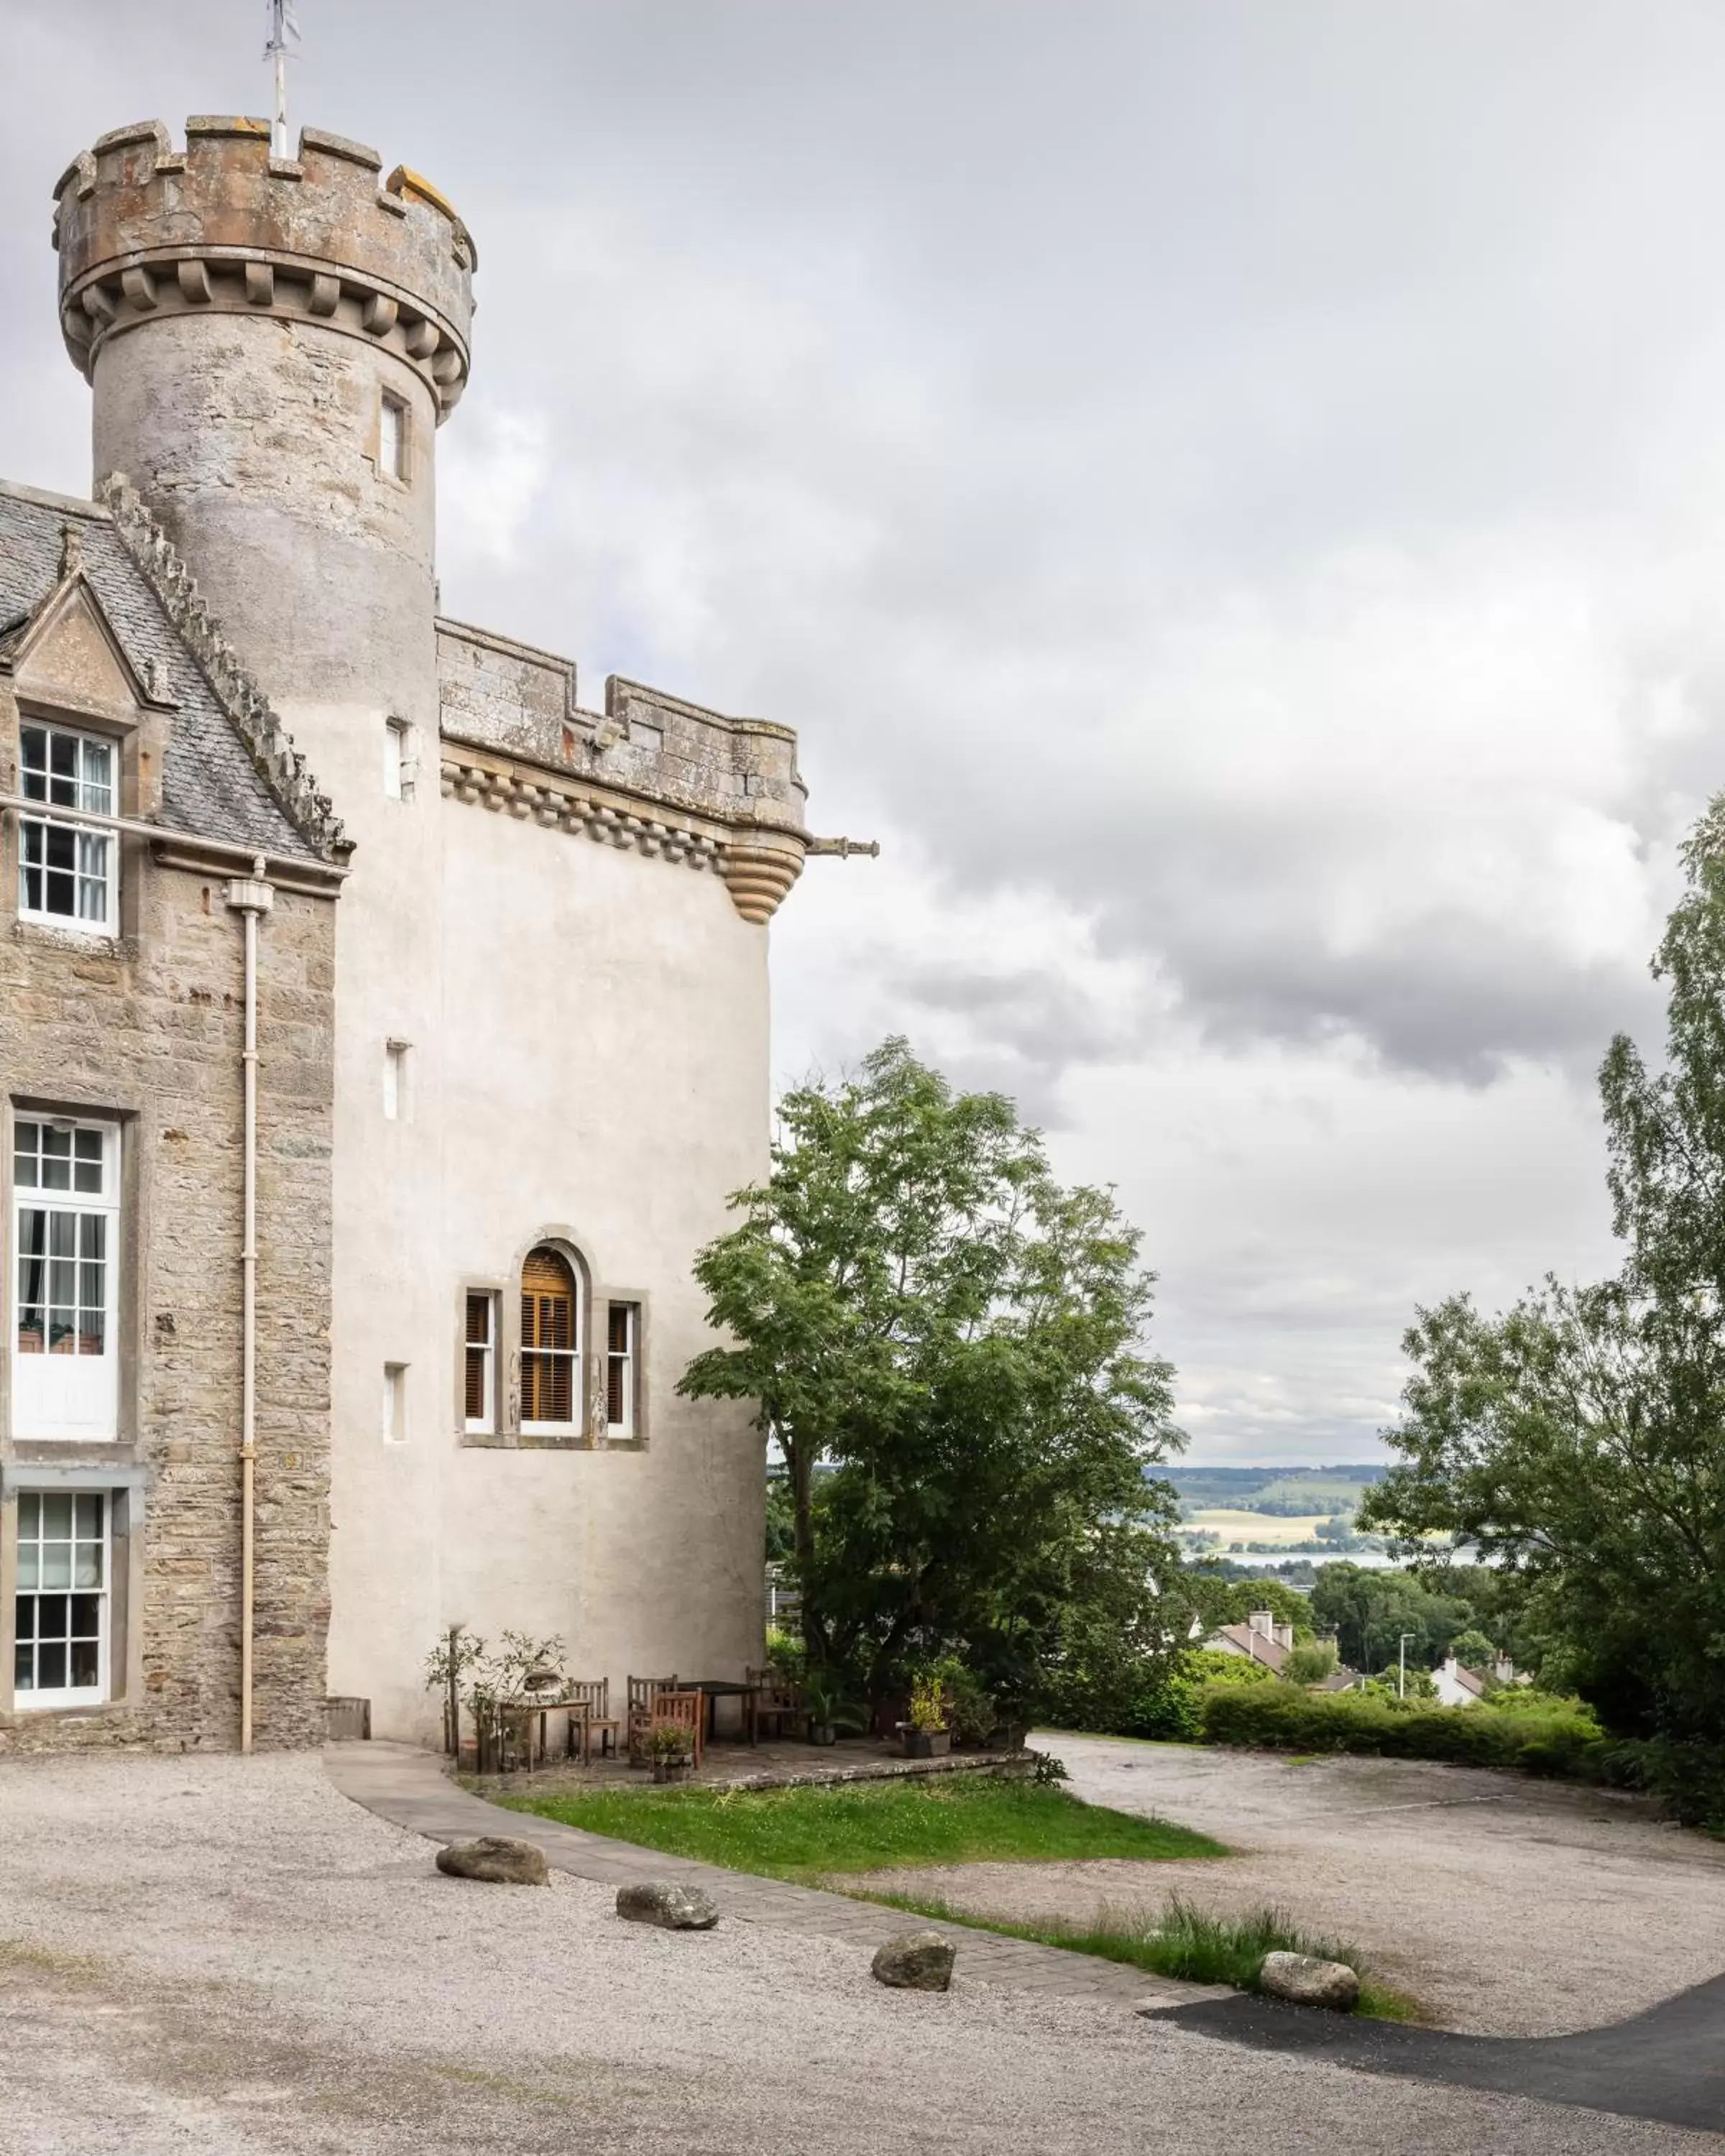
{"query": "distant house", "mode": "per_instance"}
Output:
(1459, 1687)
(1260, 1639)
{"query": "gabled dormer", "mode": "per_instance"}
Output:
(83, 748)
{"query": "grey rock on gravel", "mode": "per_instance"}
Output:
(675, 1908)
(1307, 1981)
(497, 1859)
(915, 1961)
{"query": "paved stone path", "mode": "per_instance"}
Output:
(409, 1789)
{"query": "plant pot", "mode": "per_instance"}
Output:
(1008, 1736)
(672, 1770)
(926, 1743)
(822, 1733)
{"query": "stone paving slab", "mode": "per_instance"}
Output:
(410, 1788)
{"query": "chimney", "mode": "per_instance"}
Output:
(1262, 1622)
(1506, 1670)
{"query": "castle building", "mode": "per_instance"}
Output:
(382, 1029)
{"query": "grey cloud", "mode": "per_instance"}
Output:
(1003, 395)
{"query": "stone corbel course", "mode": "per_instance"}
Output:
(221, 226)
(756, 876)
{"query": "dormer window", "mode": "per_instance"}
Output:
(67, 873)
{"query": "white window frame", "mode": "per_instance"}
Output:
(484, 1423)
(93, 1405)
(32, 1699)
(630, 1357)
(90, 842)
(575, 1355)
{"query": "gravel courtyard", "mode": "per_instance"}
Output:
(209, 1955)
(1507, 1906)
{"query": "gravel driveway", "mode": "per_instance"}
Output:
(213, 1957)
(1507, 1906)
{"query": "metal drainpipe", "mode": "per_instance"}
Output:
(252, 896)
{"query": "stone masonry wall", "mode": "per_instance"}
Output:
(151, 1025)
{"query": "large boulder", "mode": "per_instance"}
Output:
(661, 1901)
(915, 1961)
(1307, 1981)
(497, 1859)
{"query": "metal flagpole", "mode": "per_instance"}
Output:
(283, 25)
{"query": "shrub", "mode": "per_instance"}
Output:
(1309, 1665)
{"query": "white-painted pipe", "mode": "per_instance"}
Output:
(253, 897)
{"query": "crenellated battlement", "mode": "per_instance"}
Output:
(145, 230)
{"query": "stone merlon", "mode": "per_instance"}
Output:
(145, 230)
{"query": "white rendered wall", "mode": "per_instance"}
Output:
(602, 1072)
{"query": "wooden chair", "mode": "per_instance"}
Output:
(638, 1721)
(588, 1701)
(681, 1710)
(772, 1699)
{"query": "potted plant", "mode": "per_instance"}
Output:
(828, 1709)
(926, 1734)
(669, 1751)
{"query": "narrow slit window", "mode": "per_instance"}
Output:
(551, 1346)
(397, 1088)
(392, 438)
(623, 1326)
(480, 1382)
(397, 763)
(395, 1402)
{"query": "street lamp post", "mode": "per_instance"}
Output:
(1401, 1679)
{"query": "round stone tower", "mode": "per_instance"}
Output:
(272, 343)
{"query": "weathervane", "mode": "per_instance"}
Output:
(283, 25)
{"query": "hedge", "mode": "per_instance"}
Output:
(1286, 1718)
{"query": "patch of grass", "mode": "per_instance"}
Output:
(1183, 1942)
(802, 1834)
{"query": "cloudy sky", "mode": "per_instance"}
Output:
(1232, 496)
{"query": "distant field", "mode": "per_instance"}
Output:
(1296, 1490)
(1267, 1528)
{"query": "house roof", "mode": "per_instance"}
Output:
(1470, 1681)
(231, 774)
(1270, 1652)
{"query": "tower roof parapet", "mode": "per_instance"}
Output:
(145, 230)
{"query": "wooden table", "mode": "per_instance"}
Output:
(715, 1689)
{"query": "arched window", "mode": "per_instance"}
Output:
(551, 1344)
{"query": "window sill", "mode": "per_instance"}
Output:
(52, 936)
(540, 1441)
(87, 1711)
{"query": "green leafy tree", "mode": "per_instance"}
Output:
(1310, 1663)
(1220, 1602)
(1474, 1651)
(946, 1347)
(1579, 1439)
(1368, 1610)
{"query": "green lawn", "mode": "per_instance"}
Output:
(800, 1834)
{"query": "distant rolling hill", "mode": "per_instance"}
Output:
(1283, 1492)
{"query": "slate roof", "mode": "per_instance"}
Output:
(212, 787)
(1271, 1653)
